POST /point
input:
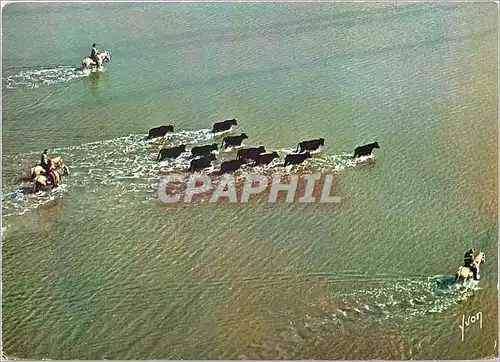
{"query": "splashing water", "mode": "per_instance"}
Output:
(128, 164)
(34, 78)
(407, 297)
(378, 299)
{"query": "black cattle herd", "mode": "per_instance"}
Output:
(202, 157)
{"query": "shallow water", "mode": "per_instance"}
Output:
(105, 270)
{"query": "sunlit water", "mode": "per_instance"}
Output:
(102, 268)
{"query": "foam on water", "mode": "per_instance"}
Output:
(232, 148)
(319, 162)
(22, 199)
(373, 300)
(88, 71)
(221, 135)
(128, 162)
(128, 165)
(36, 77)
(408, 297)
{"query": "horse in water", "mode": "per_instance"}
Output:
(44, 179)
(464, 273)
(59, 166)
(102, 57)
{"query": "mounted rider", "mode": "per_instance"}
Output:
(469, 262)
(93, 53)
(44, 159)
(49, 167)
(51, 173)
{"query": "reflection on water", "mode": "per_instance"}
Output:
(95, 79)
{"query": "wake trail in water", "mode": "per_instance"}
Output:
(377, 299)
(128, 165)
(405, 298)
(41, 76)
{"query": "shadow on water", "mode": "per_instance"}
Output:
(24, 178)
(444, 281)
(25, 190)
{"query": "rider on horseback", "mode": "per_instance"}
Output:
(49, 167)
(469, 262)
(44, 159)
(51, 173)
(469, 257)
(93, 53)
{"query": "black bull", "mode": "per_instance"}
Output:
(233, 141)
(199, 164)
(296, 159)
(224, 125)
(250, 153)
(311, 145)
(160, 131)
(203, 150)
(173, 152)
(231, 165)
(265, 158)
(365, 150)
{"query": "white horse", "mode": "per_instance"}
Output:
(464, 273)
(102, 57)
